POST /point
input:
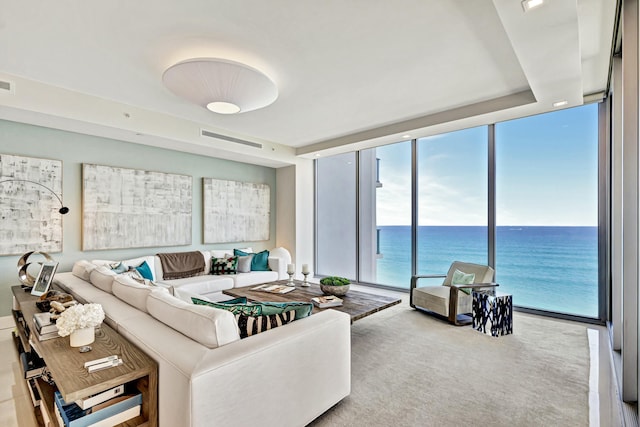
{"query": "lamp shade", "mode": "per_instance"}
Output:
(222, 86)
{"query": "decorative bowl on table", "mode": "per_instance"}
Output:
(334, 285)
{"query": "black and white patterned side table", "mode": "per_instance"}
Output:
(492, 312)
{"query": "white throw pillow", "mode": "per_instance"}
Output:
(132, 292)
(209, 326)
(102, 278)
(83, 269)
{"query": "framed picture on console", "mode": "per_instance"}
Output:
(43, 281)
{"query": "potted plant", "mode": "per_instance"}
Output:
(334, 285)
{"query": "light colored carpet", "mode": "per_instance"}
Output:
(410, 369)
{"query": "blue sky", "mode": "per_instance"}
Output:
(546, 174)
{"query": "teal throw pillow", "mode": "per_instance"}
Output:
(145, 270)
(259, 262)
(460, 278)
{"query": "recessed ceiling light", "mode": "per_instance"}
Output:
(406, 136)
(560, 103)
(527, 5)
(317, 154)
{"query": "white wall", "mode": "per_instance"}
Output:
(74, 149)
(295, 207)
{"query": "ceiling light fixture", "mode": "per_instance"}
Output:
(220, 85)
(406, 136)
(527, 5)
(560, 103)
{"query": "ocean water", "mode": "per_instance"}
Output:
(548, 268)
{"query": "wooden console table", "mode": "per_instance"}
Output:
(66, 365)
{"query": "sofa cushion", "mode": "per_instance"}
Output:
(208, 326)
(133, 293)
(254, 278)
(227, 265)
(252, 325)
(102, 278)
(202, 284)
(83, 269)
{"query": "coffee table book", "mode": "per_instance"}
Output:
(44, 324)
(326, 301)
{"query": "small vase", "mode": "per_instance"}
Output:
(82, 337)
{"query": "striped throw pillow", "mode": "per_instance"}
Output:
(251, 325)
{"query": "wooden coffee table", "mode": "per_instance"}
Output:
(356, 304)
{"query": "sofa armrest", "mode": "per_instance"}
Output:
(279, 265)
(307, 362)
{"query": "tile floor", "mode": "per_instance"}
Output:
(16, 409)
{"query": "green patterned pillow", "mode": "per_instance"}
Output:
(301, 309)
(224, 265)
(460, 278)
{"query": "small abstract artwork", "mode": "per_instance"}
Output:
(235, 211)
(130, 208)
(29, 218)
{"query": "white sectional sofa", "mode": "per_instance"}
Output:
(208, 376)
(209, 285)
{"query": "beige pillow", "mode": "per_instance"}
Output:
(132, 292)
(209, 326)
(102, 278)
(83, 269)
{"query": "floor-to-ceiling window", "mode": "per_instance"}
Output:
(452, 200)
(545, 170)
(385, 220)
(336, 216)
(547, 210)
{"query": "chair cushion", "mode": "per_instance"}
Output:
(436, 299)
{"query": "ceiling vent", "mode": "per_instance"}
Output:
(6, 86)
(210, 134)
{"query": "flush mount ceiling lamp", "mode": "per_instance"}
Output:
(220, 85)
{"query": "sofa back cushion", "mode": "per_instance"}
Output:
(133, 292)
(102, 278)
(83, 269)
(209, 326)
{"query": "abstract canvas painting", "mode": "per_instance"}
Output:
(29, 218)
(235, 211)
(130, 208)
